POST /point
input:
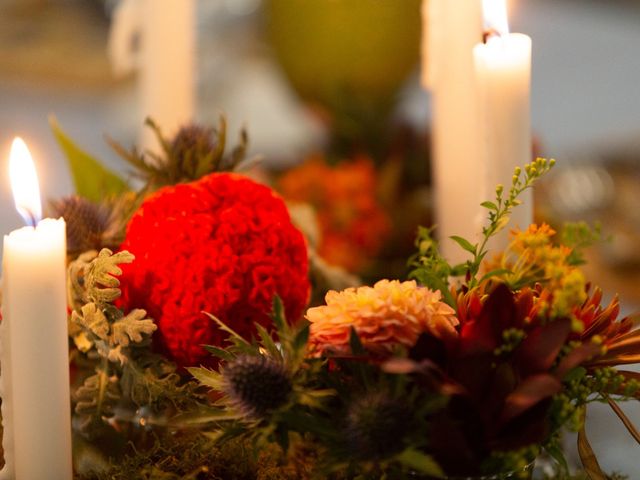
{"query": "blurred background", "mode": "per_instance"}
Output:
(285, 70)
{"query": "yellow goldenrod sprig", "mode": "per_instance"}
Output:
(500, 213)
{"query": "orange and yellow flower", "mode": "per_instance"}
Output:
(532, 257)
(388, 315)
(353, 223)
(620, 338)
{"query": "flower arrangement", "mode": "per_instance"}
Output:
(434, 378)
(459, 371)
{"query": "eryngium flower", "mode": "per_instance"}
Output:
(256, 385)
(90, 226)
(192, 143)
(376, 425)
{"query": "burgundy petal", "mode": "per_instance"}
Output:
(529, 393)
(541, 347)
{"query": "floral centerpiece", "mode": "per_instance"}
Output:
(193, 357)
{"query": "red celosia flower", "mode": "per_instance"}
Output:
(224, 245)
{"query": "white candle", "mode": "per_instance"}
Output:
(36, 407)
(451, 28)
(503, 73)
(167, 65)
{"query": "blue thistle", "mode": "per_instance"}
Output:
(376, 425)
(256, 385)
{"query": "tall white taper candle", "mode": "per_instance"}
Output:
(503, 73)
(167, 64)
(35, 355)
(450, 30)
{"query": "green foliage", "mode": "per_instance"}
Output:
(91, 178)
(432, 270)
(517, 461)
(193, 456)
(500, 211)
(119, 370)
(289, 352)
(331, 411)
(578, 236)
(429, 268)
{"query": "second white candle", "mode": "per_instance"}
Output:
(503, 75)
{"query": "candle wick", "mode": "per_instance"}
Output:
(32, 218)
(490, 33)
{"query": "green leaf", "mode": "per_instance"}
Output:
(92, 180)
(282, 437)
(495, 273)
(228, 329)
(277, 315)
(302, 337)
(219, 352)
(421, 462)
(489, 205)
(574, 375)
(268, 343)
(203, 414)
(557, 454)
(132, 328)
(206, 377)
(465, 244)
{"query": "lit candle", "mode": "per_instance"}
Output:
(36, 411)
(503, 73)
(451, 28)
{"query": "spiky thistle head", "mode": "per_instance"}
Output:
(376, 424)
(193, 152)
(193, 142)
(256, 385)
(92, 226)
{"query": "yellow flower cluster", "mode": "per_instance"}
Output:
(537, 258)
(385, 316)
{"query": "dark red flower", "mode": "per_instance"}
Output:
(224, 245)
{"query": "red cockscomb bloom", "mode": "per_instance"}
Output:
(224, 245)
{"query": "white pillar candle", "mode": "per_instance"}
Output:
(36, 407)
(167, 65)
(451, 28)
(503, 73)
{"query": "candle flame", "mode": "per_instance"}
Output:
(24, 183)
(495, 17)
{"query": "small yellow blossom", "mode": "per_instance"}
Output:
(532, 256)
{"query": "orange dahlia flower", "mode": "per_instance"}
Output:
(385, 316)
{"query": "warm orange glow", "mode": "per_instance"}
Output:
(24, 182)
(495, 16)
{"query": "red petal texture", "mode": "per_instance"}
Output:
(224, 245)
